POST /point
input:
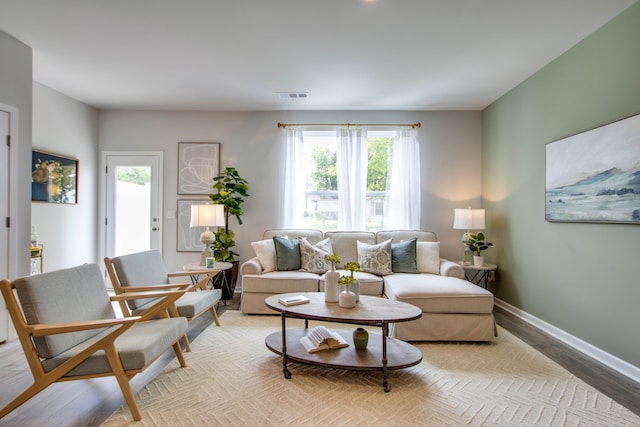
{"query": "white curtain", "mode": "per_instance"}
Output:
(293, 200)
(351, 164)
(403, 209)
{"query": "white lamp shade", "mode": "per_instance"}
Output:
(469, 219)
(207, 216)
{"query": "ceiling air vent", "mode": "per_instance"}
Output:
(293, 95)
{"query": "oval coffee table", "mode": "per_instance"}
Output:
(382, 353)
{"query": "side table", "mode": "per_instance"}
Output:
(219, 267)
(479, 275)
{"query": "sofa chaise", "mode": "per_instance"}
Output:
(453, 309)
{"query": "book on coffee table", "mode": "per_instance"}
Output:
(293, 300)
(321, 338)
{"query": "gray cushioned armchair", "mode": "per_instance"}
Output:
(68, 330)
(144, 271)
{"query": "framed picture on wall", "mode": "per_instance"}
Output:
(595, 176)
(188, 239)
(54, 178)
(198, 163)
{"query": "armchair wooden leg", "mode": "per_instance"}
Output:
(187, 346)
(34, 389)
(179, 354)
(215, 315)
(123, 381)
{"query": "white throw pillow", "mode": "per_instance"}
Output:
(266, 252)
(312, 256)
(375, 259)
(428, 257)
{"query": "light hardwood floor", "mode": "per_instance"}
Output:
(90, 402)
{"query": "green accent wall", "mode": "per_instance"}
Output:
(579, 277)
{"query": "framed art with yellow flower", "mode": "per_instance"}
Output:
(54, 178)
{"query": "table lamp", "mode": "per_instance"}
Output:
(468, 219)
(207, 216)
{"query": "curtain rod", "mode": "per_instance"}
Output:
(412, 125)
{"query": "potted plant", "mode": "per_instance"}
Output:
(476, 242)
(232, 190)
(347, 298)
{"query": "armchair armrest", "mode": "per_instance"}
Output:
(44, 329)
(166, 301)
(251, 266)
(166, 286)
(451, 269)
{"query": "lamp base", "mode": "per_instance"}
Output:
(207, 238)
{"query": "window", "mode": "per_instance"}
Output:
(342, 179)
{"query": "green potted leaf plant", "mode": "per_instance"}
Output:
(476, 242)
(232, 191)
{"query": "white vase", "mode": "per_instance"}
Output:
(355, 288)
(347, 299)
(331, 286)
(478, 261)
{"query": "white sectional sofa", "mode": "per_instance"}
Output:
(453, 308)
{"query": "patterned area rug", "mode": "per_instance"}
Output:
(234, 380)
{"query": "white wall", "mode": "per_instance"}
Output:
(16, 69)
(251, 142)
(62, 125)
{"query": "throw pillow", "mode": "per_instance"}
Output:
(428, 257)
(312, 256)
(287, 254)
(266, 252)
(403, 257)
(375, 259)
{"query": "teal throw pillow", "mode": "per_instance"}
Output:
(287, 254)
(403, 257)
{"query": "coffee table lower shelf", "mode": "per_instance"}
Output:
(399, 353)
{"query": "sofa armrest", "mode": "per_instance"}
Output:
(451, 269)
(251, 266)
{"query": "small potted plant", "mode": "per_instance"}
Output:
(346, 296)
(476, 242)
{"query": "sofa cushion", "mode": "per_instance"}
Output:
(287, 254)
(266, 252)
(313, 236)
(312, 256)
(428, 257)
(280, 282)
(375, 259)
(438, 294)
(344, 244)
(403, 257)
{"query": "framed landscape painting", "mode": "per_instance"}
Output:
(54, 178)
(595, 176)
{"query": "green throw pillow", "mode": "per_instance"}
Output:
(287, 254)
(403, 257)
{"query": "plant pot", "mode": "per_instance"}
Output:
(478, 261)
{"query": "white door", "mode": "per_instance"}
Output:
(132, 202)
(4, 214)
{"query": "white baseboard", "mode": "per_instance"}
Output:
(613, 362)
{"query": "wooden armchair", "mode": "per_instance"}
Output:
(144, 271)
(64, 319)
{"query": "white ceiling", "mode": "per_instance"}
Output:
(347, 54)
